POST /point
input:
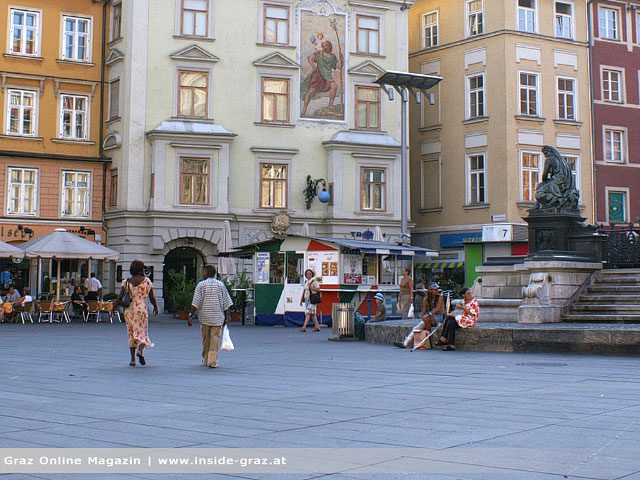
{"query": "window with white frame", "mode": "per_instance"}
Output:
(430, 29)
(373, 189)
(614, 145)
(574, 164)
(529, 175)
(194, 18)
(116, 21)
(193, 93)
(529, 96)
(612, 85)
(637, 26)
(475, 87)
(566, 98)
(475, 17)
(76, 194)
(527, 16)
(617, 202)
(275, 100)
(274, 180)
(76, 39)
(194, 181)
(609, 23)
(22, 191)
(476, 180)
(114, 99)
(276, 24)
(564, 20)
(21, 112)
(74, 117)
(24, 32)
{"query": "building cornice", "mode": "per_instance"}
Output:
(504, 32)
(53, 156)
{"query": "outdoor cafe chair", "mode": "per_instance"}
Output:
(93, 308)
(77, 308)
(107, 307)
(24, 311)
(45, 308)
(60, 309)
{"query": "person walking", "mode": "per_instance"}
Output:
(93, 287)
(406, 292)
(136, 316)
(468, 319)
(311, 285)
(211, 300)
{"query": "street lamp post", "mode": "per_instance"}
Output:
(403, 83)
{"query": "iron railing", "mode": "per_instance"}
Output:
(622, 246)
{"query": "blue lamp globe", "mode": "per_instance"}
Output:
(324, 196)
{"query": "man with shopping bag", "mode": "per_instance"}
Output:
(211, 301)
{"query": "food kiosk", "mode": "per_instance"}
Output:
(348, 270)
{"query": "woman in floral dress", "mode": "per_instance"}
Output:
(135, 315)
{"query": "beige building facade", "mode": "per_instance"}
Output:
(221, 111)
(516, 77)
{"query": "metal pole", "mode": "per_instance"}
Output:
(404, 191)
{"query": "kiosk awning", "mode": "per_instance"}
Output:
(422, 266)
(380, 248)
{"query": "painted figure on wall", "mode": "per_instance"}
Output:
(322, 86)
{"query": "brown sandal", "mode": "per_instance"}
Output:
(303, 330)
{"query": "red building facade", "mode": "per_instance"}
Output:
(616, 115)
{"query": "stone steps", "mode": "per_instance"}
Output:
(616, 279)
(599, 288)
(610, 299)
(601, 318)
(609, 308)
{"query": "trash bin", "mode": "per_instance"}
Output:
(342, 315)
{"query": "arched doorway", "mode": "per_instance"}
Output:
(187, 260)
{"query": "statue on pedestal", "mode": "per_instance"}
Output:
(557, 189)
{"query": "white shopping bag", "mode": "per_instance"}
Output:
(411, 312)
(227, 344)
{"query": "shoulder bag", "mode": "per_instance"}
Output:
(125, 296)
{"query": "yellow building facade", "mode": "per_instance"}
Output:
(51, 168)
(516, 78)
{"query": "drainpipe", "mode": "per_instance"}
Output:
(101, 132)
(593, 111)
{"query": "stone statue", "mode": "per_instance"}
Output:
(557, 189)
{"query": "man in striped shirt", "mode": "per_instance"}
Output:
(212, 302)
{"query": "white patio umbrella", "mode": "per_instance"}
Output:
(7, 250)
(377, 234)
(226, 265)
(60, 245)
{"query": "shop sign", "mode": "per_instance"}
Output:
(325, 264)
(13, 233)
(352, 279)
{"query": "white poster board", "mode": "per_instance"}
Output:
(325, 265)
(263, 264)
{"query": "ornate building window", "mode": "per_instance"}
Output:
(373, 192)
(193, 94)
(74, 117)
(368, 34)
(194, 18)
(529, 175)
(194, 181)
(22, 192)
(275, 100)
(76, 194)
(22, 115)
(430, 29)
(24, 32)
(273, 185)
(367, 108)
